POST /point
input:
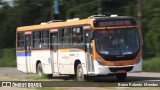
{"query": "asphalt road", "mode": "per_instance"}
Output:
(13, 72)
(132, 77)
(141, 77)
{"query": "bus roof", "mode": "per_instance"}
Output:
(69, 23)
(55, 25)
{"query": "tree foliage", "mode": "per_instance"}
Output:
(151, 24)
(29, 12)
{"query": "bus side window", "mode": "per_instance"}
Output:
(45, 39)
(62, 37)
(74, 39)
(20, 41)
(68, 37)
(37, 39)
(65, 35)
(77, 35)
(78, 32)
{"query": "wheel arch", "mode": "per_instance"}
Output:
(37, 62)
(76, 62)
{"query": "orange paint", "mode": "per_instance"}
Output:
(55, 25)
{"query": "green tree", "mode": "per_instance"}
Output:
(152, 31)
(29, 12)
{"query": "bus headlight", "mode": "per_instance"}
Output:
(139, 59)
(100, 62)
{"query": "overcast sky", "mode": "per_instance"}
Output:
(9, 2)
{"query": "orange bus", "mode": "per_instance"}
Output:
(98, 45)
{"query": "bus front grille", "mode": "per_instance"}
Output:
(115, 69)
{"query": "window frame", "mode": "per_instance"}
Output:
(20, 40)
(61, 37)
(41, 40)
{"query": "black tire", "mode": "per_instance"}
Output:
(72, 76)
(121, 76)
(49, 76)
(39, 70)
(79, 74)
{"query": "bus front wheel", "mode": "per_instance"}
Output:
(121, 76)
(80, 75)
(39, 70)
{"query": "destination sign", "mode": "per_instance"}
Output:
(107, 23)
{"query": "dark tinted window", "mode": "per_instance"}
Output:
(41, 39)
(77, 35)
(117, 42)
(45, 39)
(20, 45)
(70, 37)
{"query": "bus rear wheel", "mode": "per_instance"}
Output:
(121, 76)
(80, 75)
(39, 70)
(72, 76)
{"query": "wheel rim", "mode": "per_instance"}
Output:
(80, 74)
(39, 72)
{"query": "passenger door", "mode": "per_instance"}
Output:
(89, 52)
(54, 51)
(28, 52)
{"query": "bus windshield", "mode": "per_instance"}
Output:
(117, 41)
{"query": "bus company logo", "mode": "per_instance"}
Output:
(6, 84)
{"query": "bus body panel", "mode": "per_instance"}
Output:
(137, 66)
(21, 64)
(44, 58)
(24, 62)
(104, 70)
(67, 58)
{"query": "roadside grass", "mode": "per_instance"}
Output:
(6, 76)
(63, 82)
(151, 65)
(7, 57)
(42, 78)
(48, 88)
(107, 88)
(35, 78)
